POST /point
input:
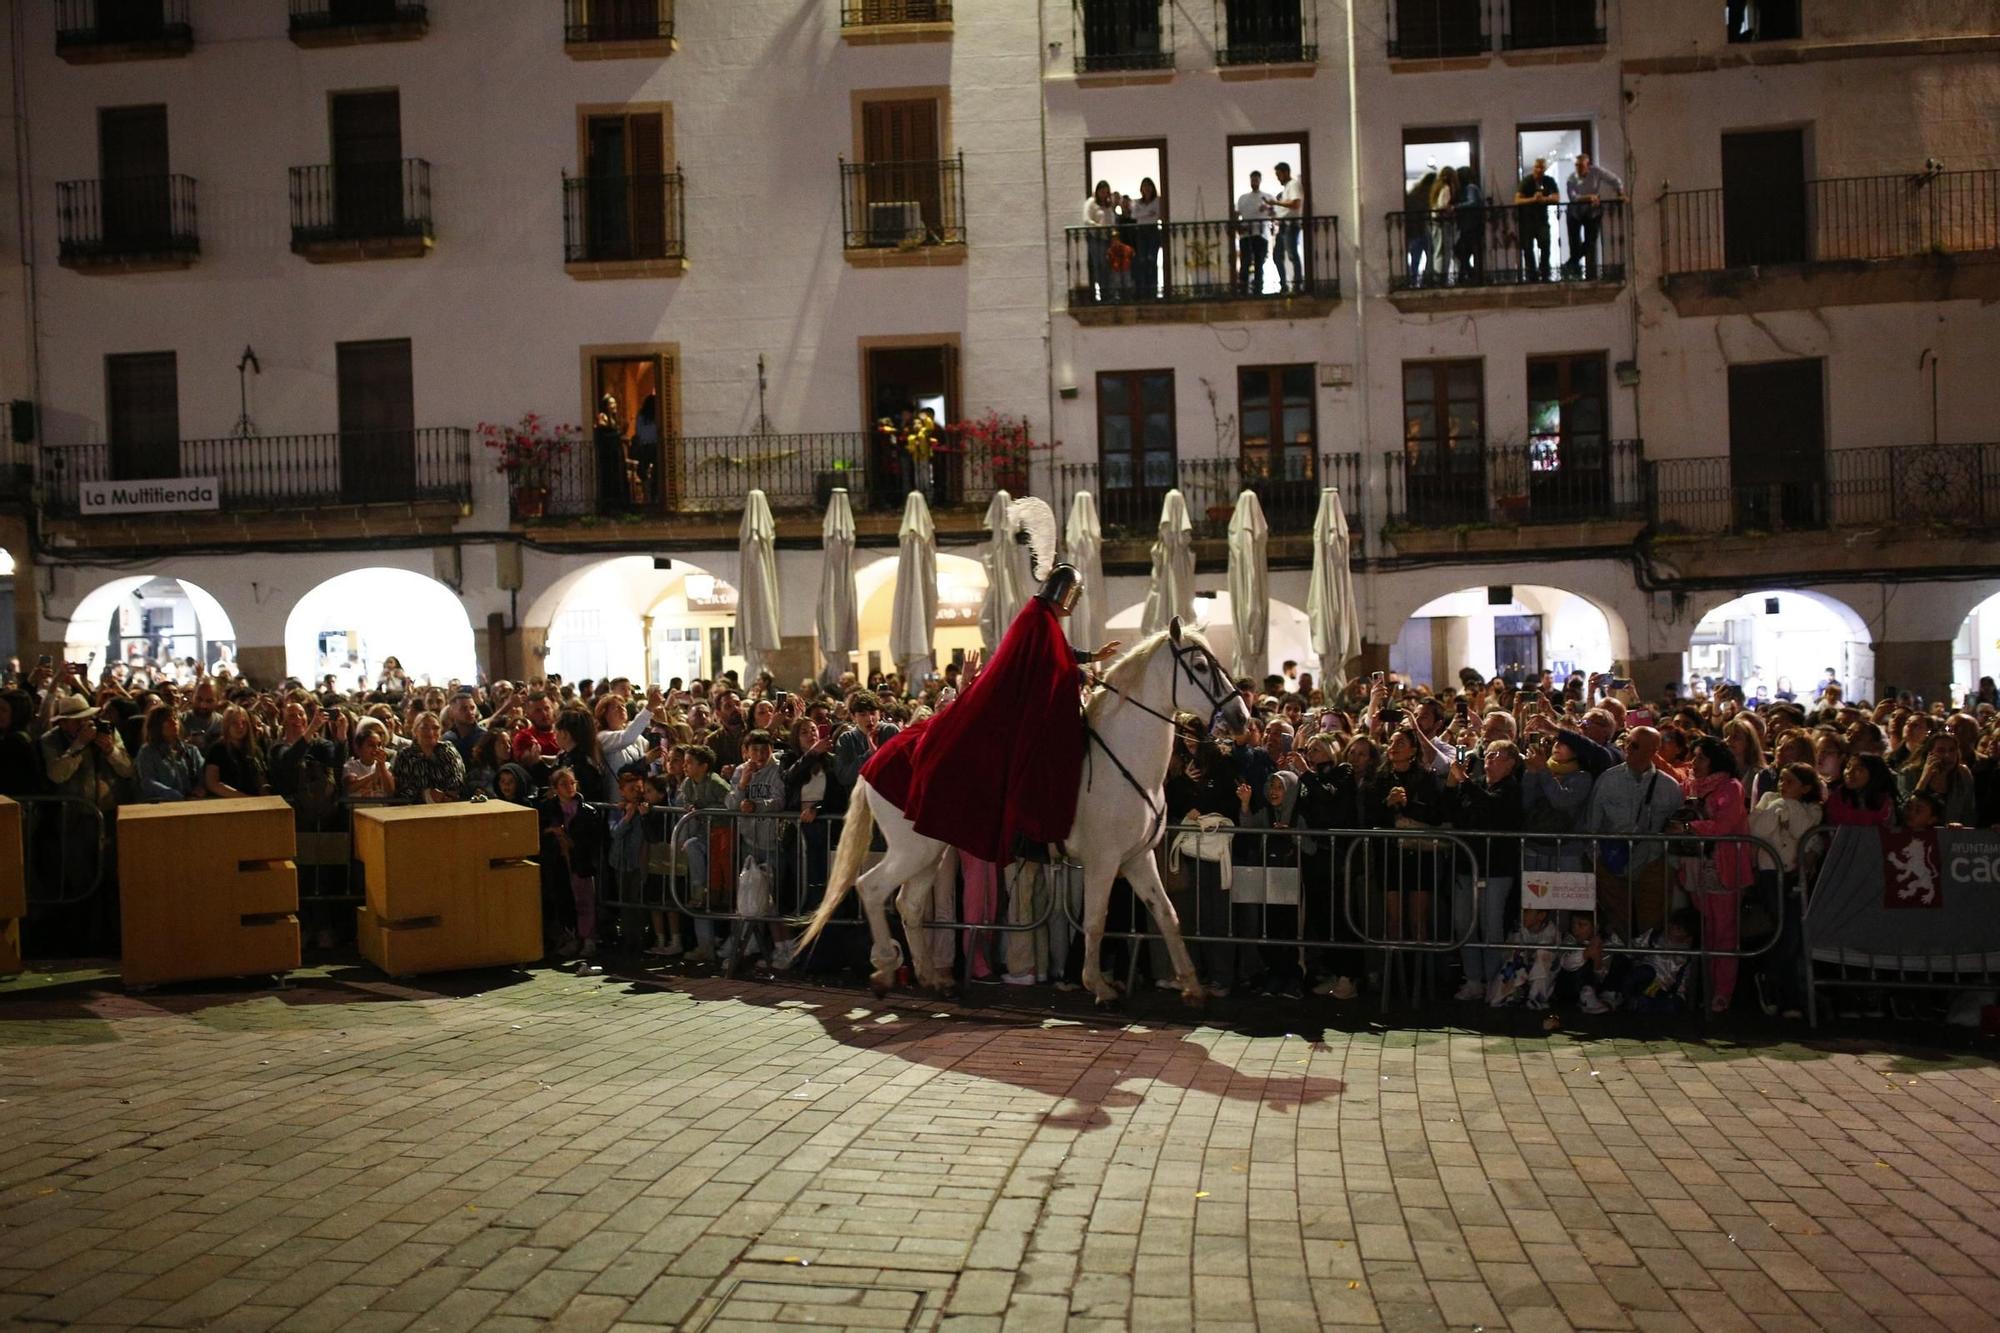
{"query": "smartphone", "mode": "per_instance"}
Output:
(1620, 683)
(1462, 708)
(1378, 678)
(44, 660)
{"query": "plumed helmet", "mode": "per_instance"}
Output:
(1062, 588)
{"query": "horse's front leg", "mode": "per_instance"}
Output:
(1142, 872)
(1098, 877)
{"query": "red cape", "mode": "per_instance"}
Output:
(1005, 759)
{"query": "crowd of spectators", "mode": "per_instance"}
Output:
(1537, 774)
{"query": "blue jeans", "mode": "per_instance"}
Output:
(1481, 963)
(1288, 249)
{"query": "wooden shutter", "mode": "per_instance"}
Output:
(899, 142)
(132, 158)
(377, 421)
(142, 404)
(367, 133)
(645, 136)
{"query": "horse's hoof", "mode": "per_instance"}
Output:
(881, 988)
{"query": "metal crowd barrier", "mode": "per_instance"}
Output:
(64, 845)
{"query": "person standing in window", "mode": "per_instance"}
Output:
(1100, 213)
(1146, 239)
(1534, 195)
(1290, 209)
(1417, 229)
(646, 446)
(1253, 210)
(1590, 188)
(1470, 216)
(608, 445)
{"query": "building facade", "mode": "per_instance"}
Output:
(1725, 420)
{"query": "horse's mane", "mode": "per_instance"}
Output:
(1127, 665)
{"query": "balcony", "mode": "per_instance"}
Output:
(1130, 512)
(618, 29)
(1253, 35)
(1930, 486)
(624, 226)
(697, 483)
(881, 22)
(1537, 495)
(1194, 272)
(903, 213)
(1438, 30)
(1859, 240)
(95, 32)
(422, 477)
(1552, 25)
(134, 224)
(1122, 41)
(320, 23)
(369, 210)
(1487, 257)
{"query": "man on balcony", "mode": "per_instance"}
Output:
(1590, 187)
(1253, 208)
(1290, 209)
(1534, 195)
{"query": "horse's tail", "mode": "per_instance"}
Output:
(855, 835)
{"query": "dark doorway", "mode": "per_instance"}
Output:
(1569, 475)
(1137, 451)
(1764, 198)
(378, 448)
(132, 160)
(367, 163)
(1518, 639)
(642, 388)
(625, 163)
(143, 415)
(1777, 445)
(1444, 442)
(1275, 411)
(900, 154)
(1762, 20)
(904, 383)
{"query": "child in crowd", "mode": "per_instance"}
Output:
(1587, 976)
(572, 837)
(1782, 818)
(1922, 812)
(1528, 971)
(1657, 982)
(759, 788)
(660, 866)
(624, 826)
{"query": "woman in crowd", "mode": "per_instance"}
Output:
(429, 771)
(1783, 818)
(1207, 787)
(1866, 794)
(1717, 809)
(170, 769)
(1555, 795)
(1938, 770)
(578, 737)
(620, 741)
(236, 761)
(1406, 795)
(493, 751)
(1746, 746)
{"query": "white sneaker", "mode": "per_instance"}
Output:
(1588, 1001)
(1018, 979)
(1471, 990)
(1167, 983)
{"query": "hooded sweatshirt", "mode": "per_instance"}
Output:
(524, 789)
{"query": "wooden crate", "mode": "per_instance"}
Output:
(449, 886)
(207, 889)
(13, 887)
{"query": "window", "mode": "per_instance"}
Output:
(1136, 447)
(1777, 444)
(617, 21)
(897, 193)
(378, 459)
(143, 415)
(1444, 441)
(367, 134)
(1120, 34)
(1568, 456)
(1533, 24)
(625, 187)
(1764, 198)
(1433, 29)
(640, 384)
(1428, 151)
(1762, 20)
(905, 379)
(1275, 421)
(1259, 32)
(132, 160)
(1282, 255)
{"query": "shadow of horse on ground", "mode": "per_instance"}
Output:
(1081, 1062)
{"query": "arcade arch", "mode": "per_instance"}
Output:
(625, 617)
(145, 618)
(961, 590)
(1537, 628)
(1288, 637)
(352, 623)
(1782, 640)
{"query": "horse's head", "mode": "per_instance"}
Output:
(1197, 681)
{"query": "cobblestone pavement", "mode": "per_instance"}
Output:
(355, 1154)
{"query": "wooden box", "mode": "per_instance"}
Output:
(13, 887)
(207, 889)
(449, 886)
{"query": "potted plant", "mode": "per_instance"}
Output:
(841, 474)
(1007, 446)
(526, 454)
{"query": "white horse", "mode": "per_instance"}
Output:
(1120, 813)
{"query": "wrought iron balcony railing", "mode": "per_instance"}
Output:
(1266, 32)
(1849, 218)
(431, 464)
(881, 13)
(1505, 243)
(314, 18)
(367, 201)
(611, 219)
(1129, 506)
(1110, 36)
(1904, 486)
(1551, 480)
(126, 219)
(707, 476)
(157, 27)
(1201, 261)
(902, 205)
(586, 22)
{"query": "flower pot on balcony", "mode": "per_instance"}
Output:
(530, 502)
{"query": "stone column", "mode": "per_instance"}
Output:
(1922, 666)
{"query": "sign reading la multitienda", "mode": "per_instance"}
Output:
(172, 495)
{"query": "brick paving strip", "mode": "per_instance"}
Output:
(590, 1154)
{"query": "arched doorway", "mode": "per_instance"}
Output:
(351, 624)
(1976, 650)
(628, 617)
(152, 622)
(961, 591)
(1515, 632)
(9, 644)
(1288, 637)
(1782, 641)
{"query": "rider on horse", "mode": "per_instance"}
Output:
(1004, 760)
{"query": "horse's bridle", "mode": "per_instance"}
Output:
(1217, 702)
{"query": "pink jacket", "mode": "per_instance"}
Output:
(1735, 862)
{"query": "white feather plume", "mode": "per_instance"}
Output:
(1032, 520)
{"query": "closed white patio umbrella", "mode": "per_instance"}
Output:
(757, 596)
(838, 624)
(1008, 581)
(1172, 590)
(1249, 586)
(1330, 615)
(913, 615)
(1083, 538)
